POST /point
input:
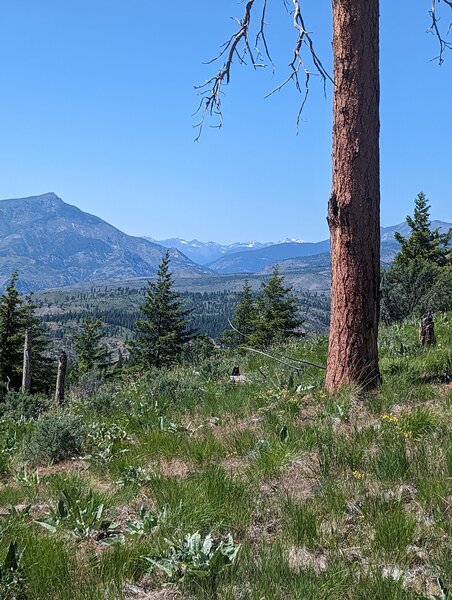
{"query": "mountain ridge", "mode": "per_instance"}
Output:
(52, 243)
(249, 257)
(258, 260)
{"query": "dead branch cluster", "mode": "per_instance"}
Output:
(240, 47)
(438, 31)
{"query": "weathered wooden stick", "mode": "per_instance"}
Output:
(273, 355)
(61, 378)
(26, 371)
(427, 330)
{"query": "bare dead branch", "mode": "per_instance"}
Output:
(301, 361)
(210, 105)
(260, 36)
(436, 30)
(275, 356)
(238, 46)
(282, 362)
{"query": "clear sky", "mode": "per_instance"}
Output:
(97, 101)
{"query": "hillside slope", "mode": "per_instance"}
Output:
(263, 259)
(255, 260)
(52, 244)
(337, 497)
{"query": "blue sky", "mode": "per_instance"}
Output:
(97, 101)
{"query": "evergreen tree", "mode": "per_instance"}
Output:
(91, 351)
(16, 316)
(243, 319)
(276, 313)
(163, 330)
(43, 367)
(423, 243)
(12, 328)
(418, 278)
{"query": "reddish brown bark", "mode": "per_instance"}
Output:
(354, 206)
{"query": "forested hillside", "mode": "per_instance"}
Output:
(118, 309)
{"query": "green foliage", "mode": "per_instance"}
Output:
(419, 422)
(394, 528)
(391, 462)
(12, 328)
(197, 559)
(118, 307)
(147, 522)
(106, 442)
(420, 278)
(11, 435)
(12, 579)
(423, 242)
(197, 351)
(414, 287)
(329, 495)
(270, 317)
(56, 437)
(135, 476)
(43, 367)
(27, 478)
(16, 316)
(244, 317)
(92, 353)
(28, 406)
(82, 514)
(171, 387)
(302, 523)
(162, 332)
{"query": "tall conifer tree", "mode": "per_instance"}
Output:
(163, 330)
(12, 329)
(17, 315)
(423, 243)
(244, 317)
(91, 351)
(420, 275)
(277, 313)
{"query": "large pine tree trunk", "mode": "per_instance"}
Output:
(354, 207)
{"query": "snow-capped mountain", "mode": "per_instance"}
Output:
(204, 253)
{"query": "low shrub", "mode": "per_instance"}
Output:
(28, 406)
(56, 437)
(173, 388)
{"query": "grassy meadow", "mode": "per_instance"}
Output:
(306, 495)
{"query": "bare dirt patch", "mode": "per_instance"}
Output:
(300, 479)
(237, 426)
(301, 559)
(66, 466)
(173, 467)
(235, 465)
(141, 592)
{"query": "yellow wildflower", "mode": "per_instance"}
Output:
(389, 418)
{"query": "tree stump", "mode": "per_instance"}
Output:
(236, 377)
(427, 330)
(61, 378)
(26, 372)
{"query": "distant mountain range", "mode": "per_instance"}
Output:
(256, 257)
(53, 244)
(205, 253)
(257, 260)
